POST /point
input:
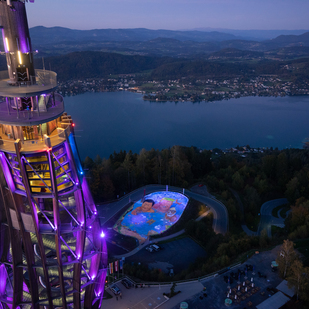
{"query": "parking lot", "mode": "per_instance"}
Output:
(217, 287)
(177, 254)
(150, 298)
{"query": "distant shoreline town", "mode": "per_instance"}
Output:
(187, 90)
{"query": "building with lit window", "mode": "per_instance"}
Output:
(52, 248)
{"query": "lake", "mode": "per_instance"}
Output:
(112, 121)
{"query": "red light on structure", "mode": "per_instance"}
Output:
(73, 124)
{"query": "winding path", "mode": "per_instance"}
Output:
(220, 213)
(267, 219)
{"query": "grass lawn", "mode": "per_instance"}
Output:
(277, 231)
(284, 209)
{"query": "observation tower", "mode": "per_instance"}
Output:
(52, 248)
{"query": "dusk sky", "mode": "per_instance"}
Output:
(170, 14)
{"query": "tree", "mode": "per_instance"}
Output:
(282, 170)
(238, 181)
(108, 187)
(292, 192)
(173, 289)
(180, 168)
(141, 164)
(88, 163)
(158, 167)
(286, 256)
(298, 278)
(128, 166)
(264, 238)
(269, 166)
(97, 160)
(300, 215)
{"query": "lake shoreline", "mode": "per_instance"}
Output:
(188, 100)
(114, 121)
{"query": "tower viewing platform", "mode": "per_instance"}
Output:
(44, 81)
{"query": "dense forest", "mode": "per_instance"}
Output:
(255, 178)
(296, 70)
(90, 64)
(242, 182)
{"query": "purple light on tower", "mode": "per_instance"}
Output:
(4, 42)
(3, 277)
(42, 186)
(6, 171)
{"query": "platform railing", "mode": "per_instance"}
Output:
(41, 78)
(7, 144)
(53, 107)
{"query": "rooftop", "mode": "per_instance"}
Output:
(57, 137)
(274, 302)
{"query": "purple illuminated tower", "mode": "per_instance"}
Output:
(52, 248)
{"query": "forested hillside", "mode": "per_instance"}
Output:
(81, 65)
(258, 177)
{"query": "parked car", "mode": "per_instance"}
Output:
(127, 283)
(115, 289)
(155, 247)
(150, 249)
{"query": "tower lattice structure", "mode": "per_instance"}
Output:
(52, 248)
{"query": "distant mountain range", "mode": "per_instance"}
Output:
(181, 44)
(43, 35)
(52, 35)
(255, 35)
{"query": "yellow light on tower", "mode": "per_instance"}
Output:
(19, 57)
(7, 44)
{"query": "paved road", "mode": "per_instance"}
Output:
(267, 219)
(221, 217)
(220, 223)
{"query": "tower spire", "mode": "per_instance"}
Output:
(51, 251)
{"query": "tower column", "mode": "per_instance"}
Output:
(35, 223)
(58, 227)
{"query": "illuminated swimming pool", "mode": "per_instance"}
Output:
(153, 214)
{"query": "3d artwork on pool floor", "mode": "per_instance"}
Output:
(153, 214)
